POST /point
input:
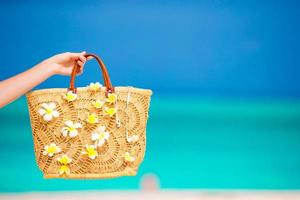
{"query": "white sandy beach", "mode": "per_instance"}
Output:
(157, 195)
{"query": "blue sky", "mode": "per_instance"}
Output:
(229, 48)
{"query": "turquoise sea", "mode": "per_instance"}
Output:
(192, 142)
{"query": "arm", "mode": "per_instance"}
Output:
(16, 86)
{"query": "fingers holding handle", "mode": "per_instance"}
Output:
(78, 67)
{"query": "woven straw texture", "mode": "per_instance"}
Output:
(130, 119)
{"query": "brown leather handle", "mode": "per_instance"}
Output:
(106, 79)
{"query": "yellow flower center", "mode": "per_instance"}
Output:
(98, 104)
(111, 111)
(71, 129)
(70, 97)
(101, 136)
(51, 149)
(128, 157)
(92, 119)
(111, 98)
(94, 87)
(49, 111)
(91, 152)
(64, 169)
(64, 160)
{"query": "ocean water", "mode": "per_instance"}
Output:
(192, 142)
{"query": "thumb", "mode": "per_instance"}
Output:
(83, 54)
(76, 55)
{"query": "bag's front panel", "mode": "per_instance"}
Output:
(109, 139)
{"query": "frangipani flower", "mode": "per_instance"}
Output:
(70, 129)
(100, 136)
(48, 111)
(90, 151)
(129, 157)
(94, 86)
(111, 98)
(70, 96)
(51, 149)
(64, 159)
(133, 138)
(98, 104)
(92, 118)
(110, 111)
(64, 169)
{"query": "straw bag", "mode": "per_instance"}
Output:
(89, 132)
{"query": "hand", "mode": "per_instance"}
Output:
(14, 87)
(63, 63)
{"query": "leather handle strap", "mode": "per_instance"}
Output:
(106, 79)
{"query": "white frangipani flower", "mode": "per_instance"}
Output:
(70, 129)
(100, 136)
(64, 159)
(70, 96)
(64, 169)
(90, 151)
(110, 111)
(48, 111)
(92, 118)
(111, 98)
(132, 138)
(128, 157)
(98, 104)
(51, 149)
(94, 86)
